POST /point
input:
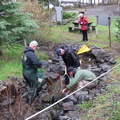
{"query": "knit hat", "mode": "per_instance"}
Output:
(33, 43)
(58, 51)
(80, 15)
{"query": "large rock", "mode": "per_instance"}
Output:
(68, 106)
(73, 114)
(99, 54)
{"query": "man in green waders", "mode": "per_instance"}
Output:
(30, 64)
(79, 77)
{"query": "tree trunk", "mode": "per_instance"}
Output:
(0, 52)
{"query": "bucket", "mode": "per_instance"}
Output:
(40, 75)
(65, 80)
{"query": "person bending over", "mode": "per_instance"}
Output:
(70, 59)
(79, 77)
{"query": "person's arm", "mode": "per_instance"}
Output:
(75, 59)
(35, 60)
(75, 80)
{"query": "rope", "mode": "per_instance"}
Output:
(70, 94)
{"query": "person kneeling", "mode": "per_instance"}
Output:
(79, 77)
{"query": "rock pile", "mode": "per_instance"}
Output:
(95, 60)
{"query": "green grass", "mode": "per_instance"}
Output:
(85, 105)
(13, 68)
(10, 63)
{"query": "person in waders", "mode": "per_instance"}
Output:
(30, 64)
(79, 77)
(70, 58)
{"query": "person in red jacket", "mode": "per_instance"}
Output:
(82, 20)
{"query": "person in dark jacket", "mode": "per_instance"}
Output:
(70, 59)
(82, 20)
(30, 64)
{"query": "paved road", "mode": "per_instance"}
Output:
(111, 10)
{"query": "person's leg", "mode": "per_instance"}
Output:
(82, 35)
(83, 32)
(31, 78)
(86, 35)
(84, 82)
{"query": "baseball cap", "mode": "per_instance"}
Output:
(69, 69)
(33, 43)
(58, 51)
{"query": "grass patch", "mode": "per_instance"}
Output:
(10, 64)
(85, 105)
(13, 68)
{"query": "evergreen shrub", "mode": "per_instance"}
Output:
(68, 15)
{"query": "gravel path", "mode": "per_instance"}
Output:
(110, 10)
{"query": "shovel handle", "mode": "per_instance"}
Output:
(65, 70)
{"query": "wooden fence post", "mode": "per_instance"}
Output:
(96, 26)
(109, 23)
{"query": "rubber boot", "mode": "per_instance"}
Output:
(31, 96)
